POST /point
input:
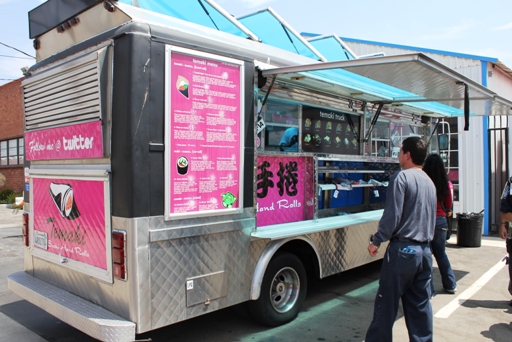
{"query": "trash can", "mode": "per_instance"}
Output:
(469, 229)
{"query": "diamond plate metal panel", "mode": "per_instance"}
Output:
(344, 248)
(173, 261)
(157, 256)
(202, 289)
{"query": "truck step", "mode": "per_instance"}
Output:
(90, 318)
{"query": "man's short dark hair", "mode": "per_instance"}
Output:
(417, 148)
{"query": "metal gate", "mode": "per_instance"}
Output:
(498, 163)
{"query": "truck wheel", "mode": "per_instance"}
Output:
(283, 291)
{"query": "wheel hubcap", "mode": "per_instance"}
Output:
(285, 290)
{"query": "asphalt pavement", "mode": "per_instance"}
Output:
(337, 308)
(11, 261)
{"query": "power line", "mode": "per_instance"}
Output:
(15, 57)
(17, 50)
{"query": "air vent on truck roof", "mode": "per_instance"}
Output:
(65, 94)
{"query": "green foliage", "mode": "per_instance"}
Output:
(11, 198)
(4, 195)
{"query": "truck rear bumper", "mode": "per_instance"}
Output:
(75, 311)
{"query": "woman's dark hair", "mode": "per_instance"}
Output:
(417, 147)
(434, 168)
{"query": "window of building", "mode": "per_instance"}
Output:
(12, 152)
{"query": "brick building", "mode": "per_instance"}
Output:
(11, 136)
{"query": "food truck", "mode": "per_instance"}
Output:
(158, 185)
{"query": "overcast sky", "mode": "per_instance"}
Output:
(469, 27)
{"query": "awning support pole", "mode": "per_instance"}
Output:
(466, 106)
(349, 119)
(374, 121)
(352, 128)
(433, 132)
(267, 94)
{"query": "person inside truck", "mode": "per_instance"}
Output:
(290, 140)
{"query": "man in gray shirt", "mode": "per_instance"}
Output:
(408, 222)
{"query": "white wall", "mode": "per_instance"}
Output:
(499, 81)
(471, 166)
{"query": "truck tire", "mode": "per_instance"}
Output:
(283, 291)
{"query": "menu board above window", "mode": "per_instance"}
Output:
(330, 132)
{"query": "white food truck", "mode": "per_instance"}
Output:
(160, 186)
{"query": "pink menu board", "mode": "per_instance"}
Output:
(69, 219)
(284, 190)
(204, 142)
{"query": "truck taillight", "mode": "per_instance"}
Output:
(118, 254)
(24, 229)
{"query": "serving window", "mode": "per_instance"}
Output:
(387, 137)
(279, 116)
(299, 128)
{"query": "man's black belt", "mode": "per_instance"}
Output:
(401, 239)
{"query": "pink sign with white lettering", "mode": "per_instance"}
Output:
(68, 142)
(69, 219)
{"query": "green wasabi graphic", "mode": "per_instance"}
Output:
(182, 165)
(228, 199)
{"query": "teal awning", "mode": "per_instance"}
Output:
(332, 48)
(271, 29)
(203, 12)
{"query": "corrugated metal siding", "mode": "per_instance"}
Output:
(468, 67)
(65, 94)
(499, 81)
